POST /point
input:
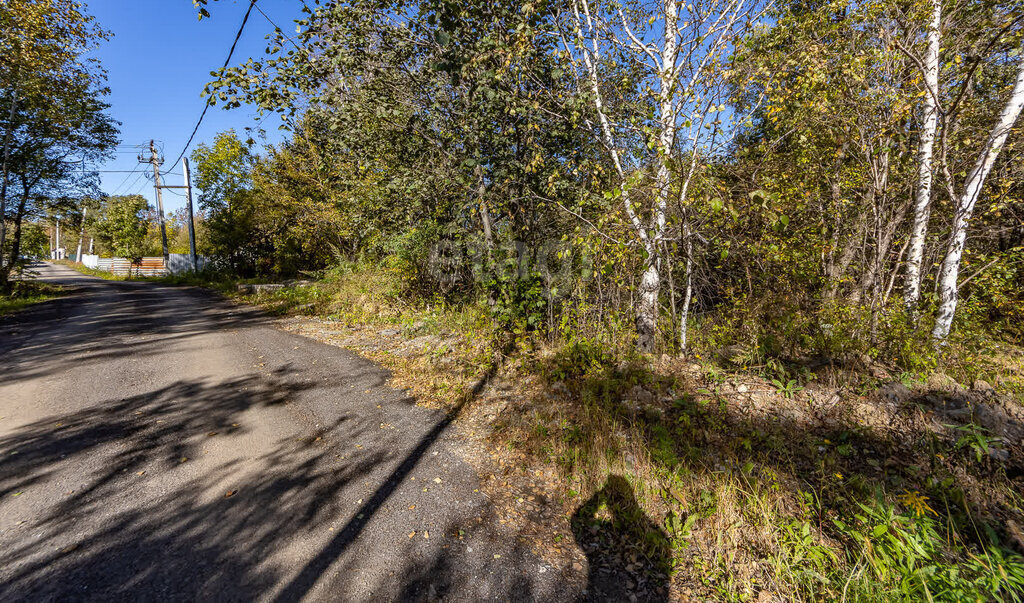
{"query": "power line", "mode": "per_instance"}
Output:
(277, 27)
(125, 179)
(132, 185)
(206, 108)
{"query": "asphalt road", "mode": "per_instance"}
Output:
(158, 443)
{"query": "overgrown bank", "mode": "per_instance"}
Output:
(24, 293)
(718, 476)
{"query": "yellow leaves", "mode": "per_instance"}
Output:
(916, 502)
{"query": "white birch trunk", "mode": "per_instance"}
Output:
(948, 288)
(647, 305)
(650, 283)
(685, 314)
(923, 193)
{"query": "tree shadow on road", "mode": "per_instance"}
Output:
(120, 501)
(103, 320)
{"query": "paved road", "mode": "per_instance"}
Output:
(158, 443)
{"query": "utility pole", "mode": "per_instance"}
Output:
(81, 237)
(191, 223)
(155, 160)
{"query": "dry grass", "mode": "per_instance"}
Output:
(735, 487)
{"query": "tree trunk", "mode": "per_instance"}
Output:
(923, 193)
(3, 184)
(685, 314)
(5, 271)
(948, 288)
(647, 305)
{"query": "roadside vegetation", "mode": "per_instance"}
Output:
(752, 477)
(745, 280)
(26, 293)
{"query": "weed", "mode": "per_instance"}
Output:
(788, 388)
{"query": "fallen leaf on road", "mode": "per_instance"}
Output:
(212, 433)
(497, 556)
(411, 507)
(16, 494)
(411, 534)
(230, 493)
(183, 459)
(69, 548)
(140, 473)
(437, 480)
(426, 534)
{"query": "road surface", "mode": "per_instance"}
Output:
(160, 443)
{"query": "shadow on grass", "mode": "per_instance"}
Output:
(615, 534)
(789, 460)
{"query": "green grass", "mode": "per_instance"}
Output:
(27, 293)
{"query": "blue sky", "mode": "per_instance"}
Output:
(158, 61)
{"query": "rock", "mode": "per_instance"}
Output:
(983, 386)
(994, 419)
(999, 454)
(894, 392)
(942, 382)
(266, 288)
(878, 371)
(735, 354)
(389, 332)
(742, 388)
(640, 395)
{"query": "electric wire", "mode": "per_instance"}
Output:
(206, 107)
(125, 179)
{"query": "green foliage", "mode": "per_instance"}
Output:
(909, 556)
(26, 293)
(124, 226)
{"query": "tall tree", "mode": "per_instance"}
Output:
(680, 50)
(925, 170)
(56, 121)
(948, 277)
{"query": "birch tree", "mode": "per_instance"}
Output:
(681, 51)
(966, 202)
(926, 144)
